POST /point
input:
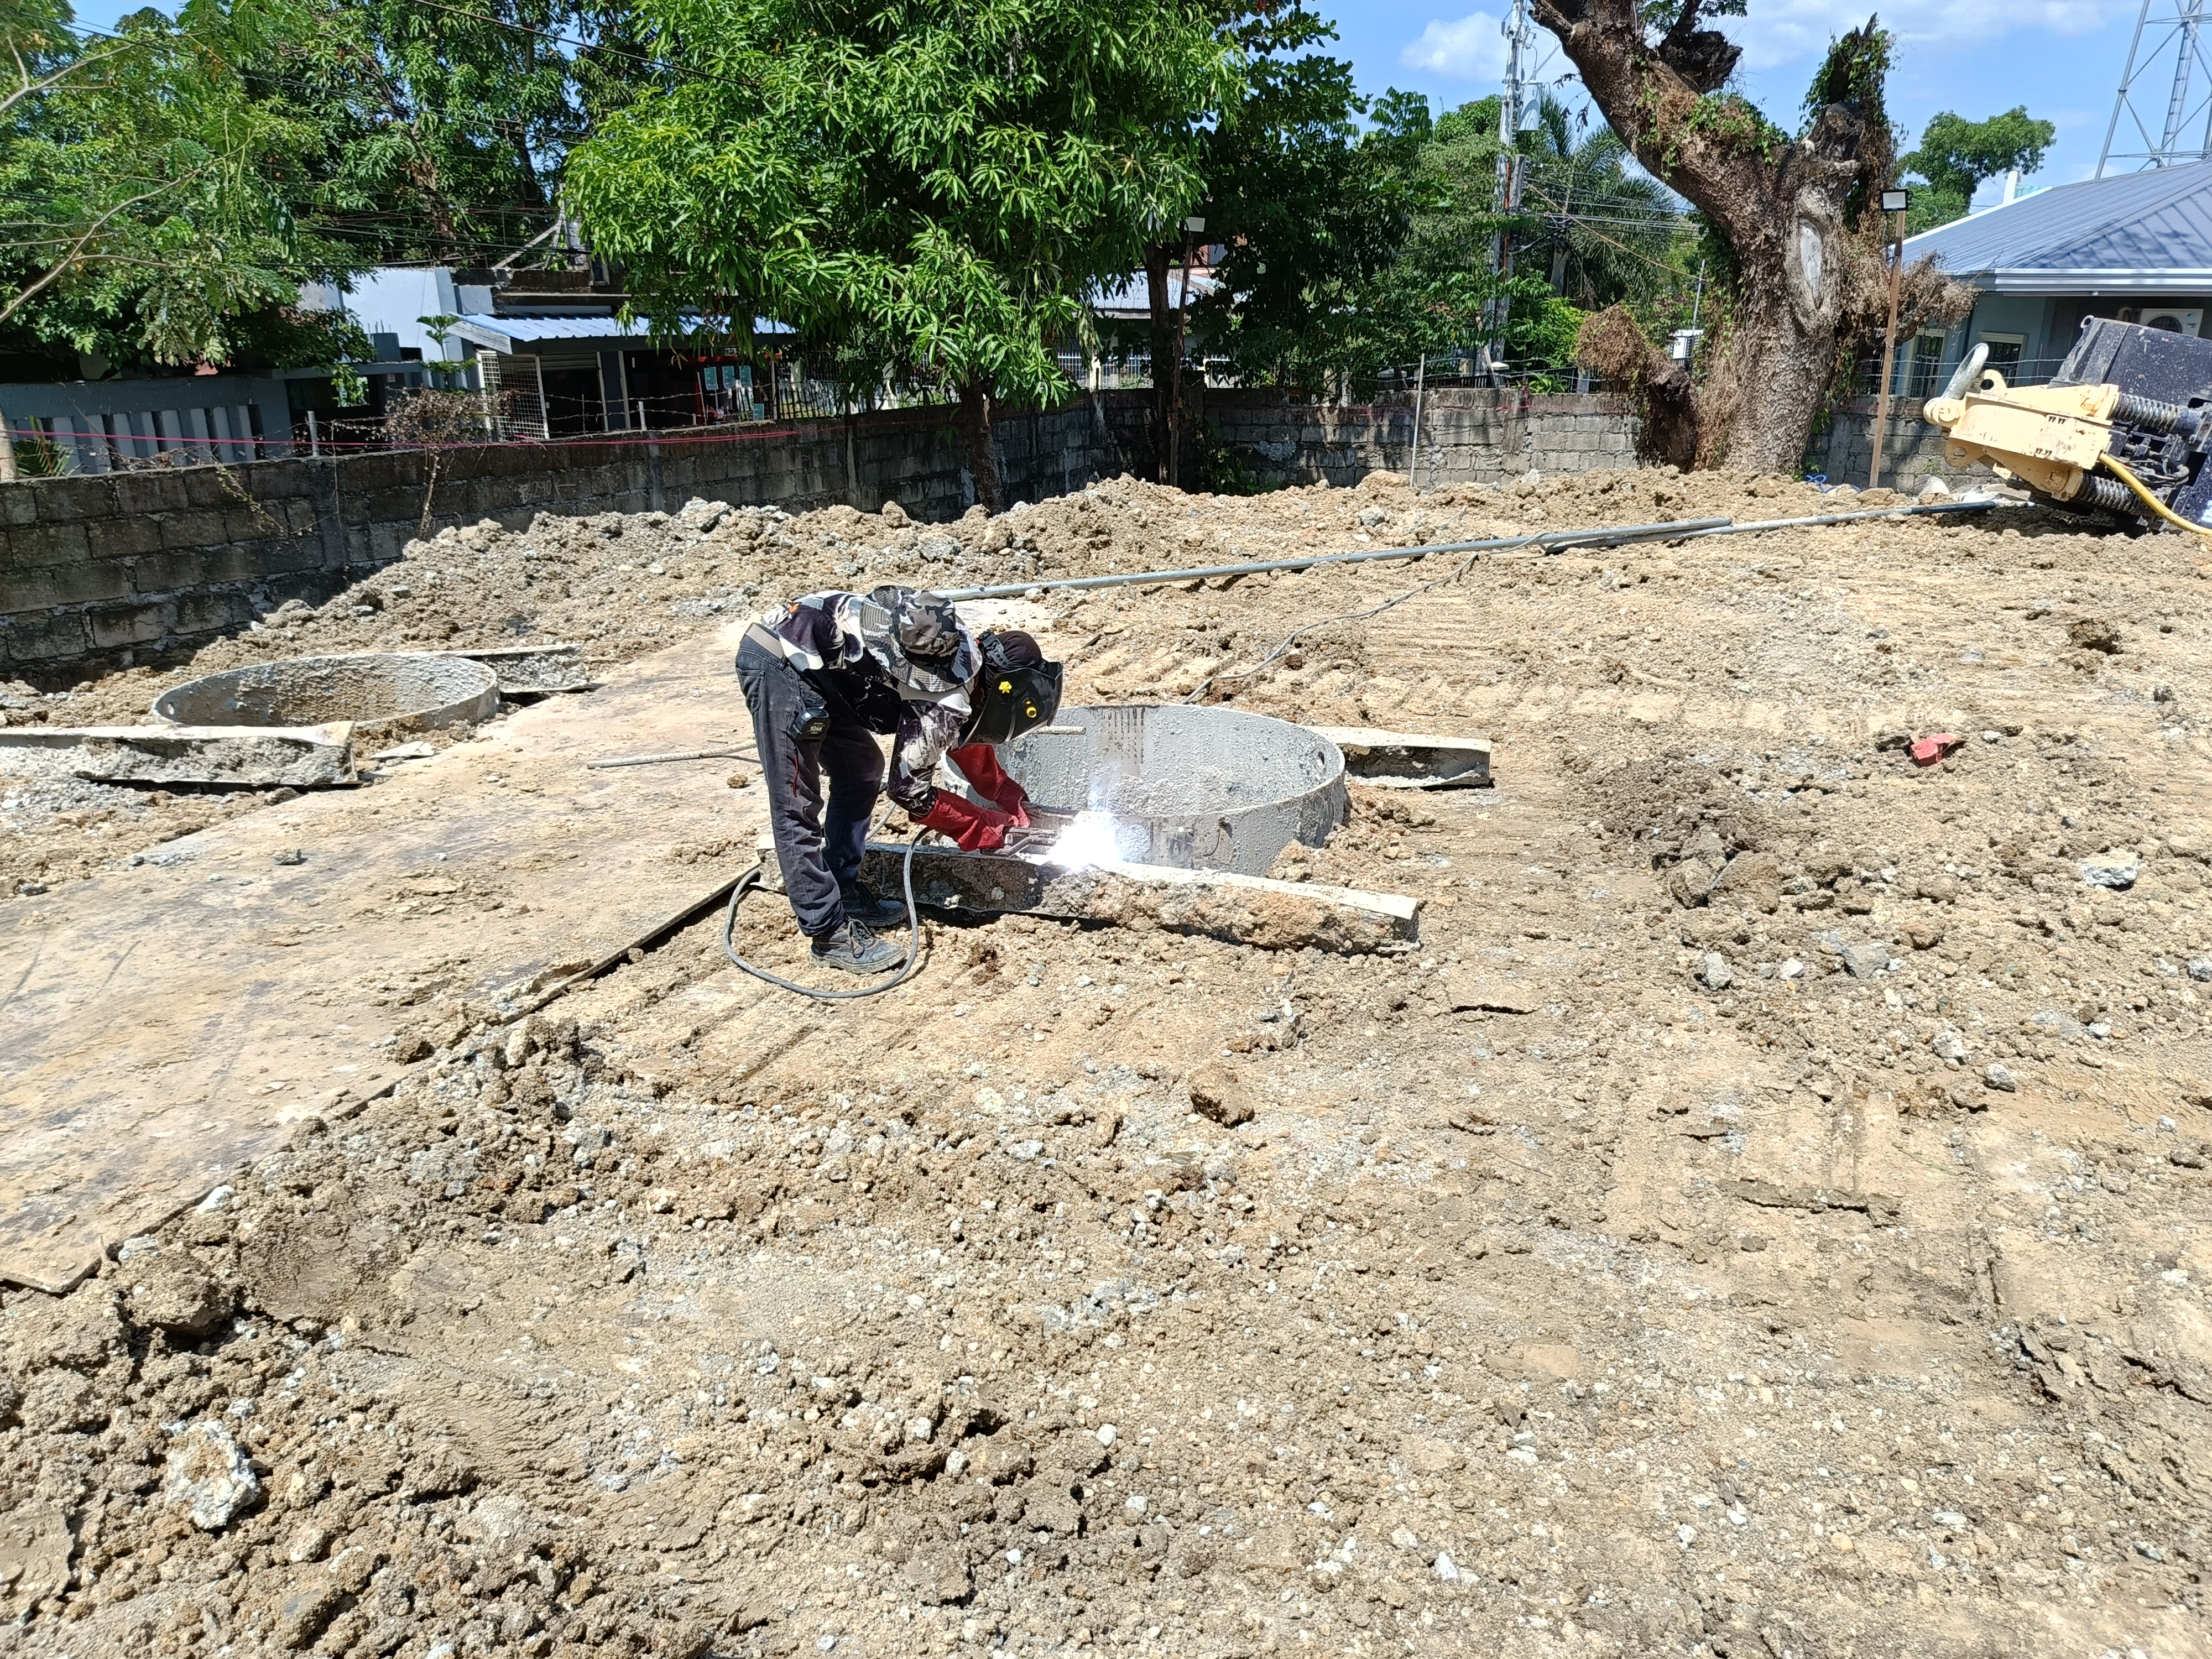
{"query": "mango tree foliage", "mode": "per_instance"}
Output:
(943, 180)
(157, 190)
(1955, 154)
(454, 122)
(1353, 250)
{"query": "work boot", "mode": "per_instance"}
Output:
(865, 905)
(856, 951)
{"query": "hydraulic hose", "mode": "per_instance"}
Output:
(2120, 470)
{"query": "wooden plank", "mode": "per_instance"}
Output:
(165, 1023)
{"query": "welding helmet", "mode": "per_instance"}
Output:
(1018, 691)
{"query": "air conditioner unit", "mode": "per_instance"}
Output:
(2178, 322)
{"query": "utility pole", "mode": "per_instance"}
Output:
(1520, 31)
(1896, 202)
(1421, 383)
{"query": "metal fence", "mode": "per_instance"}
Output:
(1918, 376)
(201, 421)
(122, 426)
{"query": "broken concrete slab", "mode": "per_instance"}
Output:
(1407, 760)
(243, 756)
(532, 669)
(1275, 915)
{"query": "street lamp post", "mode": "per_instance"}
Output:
(1896, 202)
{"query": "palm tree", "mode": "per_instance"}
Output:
(1603, 225)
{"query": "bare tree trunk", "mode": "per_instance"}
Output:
(1156, 258)
(1799, 215)
(982, 444)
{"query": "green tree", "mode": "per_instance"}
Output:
(1955, 154)
(1353, 251)
(1313, 213)
(157, 200)
(452, 124)
(1601, 230)
(1798, 296)
(940, 180)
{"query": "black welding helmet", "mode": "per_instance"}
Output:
(1018, 691)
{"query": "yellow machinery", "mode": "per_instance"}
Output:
(2109, 432)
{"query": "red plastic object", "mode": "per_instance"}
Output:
(1926, 751)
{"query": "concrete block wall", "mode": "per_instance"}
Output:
(1466, 436)
(96, 570)
(1912, 450)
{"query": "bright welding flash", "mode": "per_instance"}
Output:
(1087, 840)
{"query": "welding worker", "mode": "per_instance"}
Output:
(824, 676)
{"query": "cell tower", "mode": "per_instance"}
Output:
(1517, 109)
(2165, 105)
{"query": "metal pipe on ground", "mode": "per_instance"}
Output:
(1916, 509)
(1201, 572)
(1549, 541)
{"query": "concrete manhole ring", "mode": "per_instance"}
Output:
(1194, 788)
(396, 691)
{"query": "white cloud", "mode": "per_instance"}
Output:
(1779, 32)
(1473, 49)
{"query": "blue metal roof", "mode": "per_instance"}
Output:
(2137, 233)
(506, 333)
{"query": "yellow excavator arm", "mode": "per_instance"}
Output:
(2049, 437)
(2089, 441)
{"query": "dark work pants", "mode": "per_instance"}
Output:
(815, 851)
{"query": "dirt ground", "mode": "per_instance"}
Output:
(1766, 1219)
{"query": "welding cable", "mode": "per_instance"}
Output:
(2142, 493)
(906, 970)
(678, 755)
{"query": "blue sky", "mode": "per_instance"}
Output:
(2063, 58)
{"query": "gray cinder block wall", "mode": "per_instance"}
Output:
(92, 568)
(95, 568)
(1912, 450)
(1466, 436)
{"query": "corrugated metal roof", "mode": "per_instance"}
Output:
(505, 333)
(2139, 230)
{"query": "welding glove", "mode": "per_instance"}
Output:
(979, 762)
(977, 829)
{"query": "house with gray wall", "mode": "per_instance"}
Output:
(2135, 246)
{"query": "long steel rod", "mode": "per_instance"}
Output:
(1550, 541)
(678, 755)
(1916, 509)
(1160, 578)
